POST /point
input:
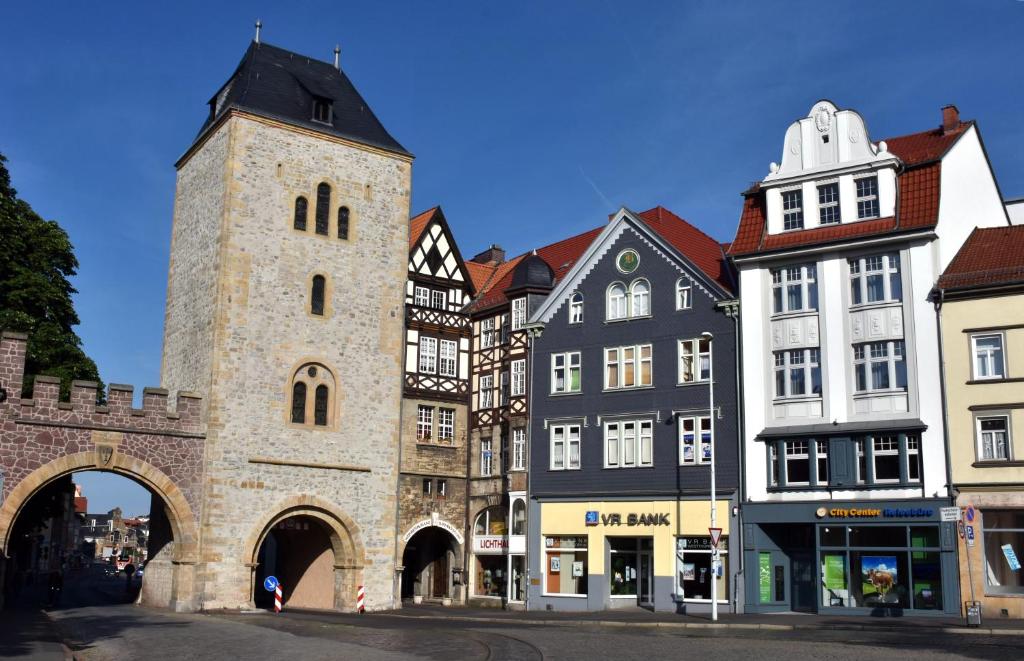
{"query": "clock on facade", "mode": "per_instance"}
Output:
(627, 261)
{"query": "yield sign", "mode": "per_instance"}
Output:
(716, 534)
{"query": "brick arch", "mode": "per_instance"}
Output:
(183, 523)
(343, 531)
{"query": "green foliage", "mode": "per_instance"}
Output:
(36, 260)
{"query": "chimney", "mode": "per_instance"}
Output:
(950, 118)
(493, 255)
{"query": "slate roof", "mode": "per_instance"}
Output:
(279, 84)
(917, 199)
(991, 256)
(705, 253)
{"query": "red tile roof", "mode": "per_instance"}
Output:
(419, 223)
(480, 274)
(705, 253)
(989, 256)
(917, 199)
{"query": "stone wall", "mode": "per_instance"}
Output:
(261, 333)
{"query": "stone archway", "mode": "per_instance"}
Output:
(343, 534)
(177, 588)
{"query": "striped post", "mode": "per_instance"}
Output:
(361, 600)
(277, 598)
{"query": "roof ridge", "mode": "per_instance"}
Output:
(702, 232)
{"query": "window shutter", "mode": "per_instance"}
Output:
(841, 458)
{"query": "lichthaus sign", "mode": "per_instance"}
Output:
(490, 544)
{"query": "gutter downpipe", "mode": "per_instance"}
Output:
(737, 326)
(533, 332)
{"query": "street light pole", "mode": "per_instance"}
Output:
(714, 501)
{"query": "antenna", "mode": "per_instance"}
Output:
(259, 26)
(337, 57)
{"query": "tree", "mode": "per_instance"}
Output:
(36, 260)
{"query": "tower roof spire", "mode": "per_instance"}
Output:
(259, 26)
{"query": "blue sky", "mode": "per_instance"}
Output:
(530, 120)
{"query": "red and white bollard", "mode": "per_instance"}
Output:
(277, 598)
(360, 600)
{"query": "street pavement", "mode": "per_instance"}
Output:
(98, 622)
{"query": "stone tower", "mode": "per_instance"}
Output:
(284, 311)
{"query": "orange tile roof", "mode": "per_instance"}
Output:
(480, 274)
(917, 195)
(989, 256)
(419, 223)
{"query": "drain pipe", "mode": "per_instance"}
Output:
(734, 312)
(938, 301)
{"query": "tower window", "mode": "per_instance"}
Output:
(299, 403)
(320, 406)
(317, 295)
(301, 209)
(321, 110)
(323, 203)
(343, 223)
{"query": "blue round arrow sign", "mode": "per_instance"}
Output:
(270, 583)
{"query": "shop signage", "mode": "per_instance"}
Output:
(950, 513)
(875, 512)
(437, 522)
(701, 543)
(764, 575)
(594, 518)
(1011, 557)
(490, 544)
(835, 571)
(970, 535)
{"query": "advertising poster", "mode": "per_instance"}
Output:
(764, 575)
(1011, 557)
(835, 571)
(577, 569)
(689, 571)
(556, 564)
(879, 577)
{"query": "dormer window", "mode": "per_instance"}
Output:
(867, 198)
(793, 209)
(321, 110)
(828, 204)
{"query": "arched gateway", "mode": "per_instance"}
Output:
(44, 439)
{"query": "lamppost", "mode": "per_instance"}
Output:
(706, 335)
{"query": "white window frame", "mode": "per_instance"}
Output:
(616, 302)
(518, 448)
(576, 308)
(637, 361)
(802, 276)
(792, 214)
(445, 424)
(503, 390)
(633, 444)
(518, 313)
(867, 200)
(864, 354)
(885, 265)
(684, 294)
(829, 212)
(428, 355)
(448, 358)
(487, 333)
(518, 377)
(565, 446)
(485, 398)
(886, 451)
(486, 456)
(810, 365)
(438, 299)
(821, 455)
(987, 357)
(695, 438)
(694, 361)
(424, 423)
(980, 435)
(421, 296)
(802, 452)
(570, 362)
(639, 301)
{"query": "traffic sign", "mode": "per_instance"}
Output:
(970, 514)
(270, 583)
(716, 534)
(960, 529)
(970, 535)
(950, 513)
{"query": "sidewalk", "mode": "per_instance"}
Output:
(637, 617)
(27, 633)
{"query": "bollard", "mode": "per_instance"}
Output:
(277, 598)
(360, 600)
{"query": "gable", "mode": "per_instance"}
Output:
(433, 252)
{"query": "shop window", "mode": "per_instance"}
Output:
(693, 569)
(490, 576)
(491, 521)
(1003, 540)
(519, 517)
(565, 566)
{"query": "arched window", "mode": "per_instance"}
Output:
(318, 410)
(323, 204)
(684, 295)
(320, 405)
(301, 209)
(519, 517)
(491, 522)
(640, 293)
(299, 402)
(343, 223)
(616, 302)
(576, 308)
(316, 295)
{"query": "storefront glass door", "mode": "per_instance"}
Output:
(646, 578)
(632, 568)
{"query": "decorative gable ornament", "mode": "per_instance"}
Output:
(627, 261)
(822, 119)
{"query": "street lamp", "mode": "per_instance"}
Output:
(706, 335)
